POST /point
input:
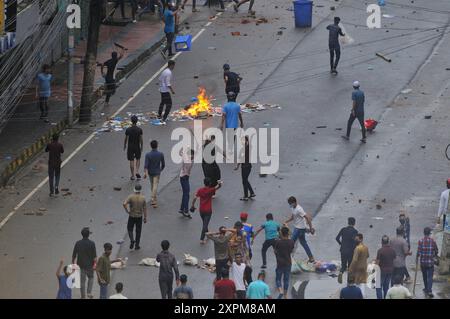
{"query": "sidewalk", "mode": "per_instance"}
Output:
(25, 135)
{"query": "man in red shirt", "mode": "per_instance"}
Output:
(205, 194)
(224, 288)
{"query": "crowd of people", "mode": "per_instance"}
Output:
(234, 247)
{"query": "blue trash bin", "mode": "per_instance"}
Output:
(303, 13)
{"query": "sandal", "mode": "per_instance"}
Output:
(244, 199)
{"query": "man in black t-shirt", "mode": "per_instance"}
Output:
(283, 249)
(54, 150)
(133, 136)
(346, 239)
(110, 82)
(333, 43)
(232, 81)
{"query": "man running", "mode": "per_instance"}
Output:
(165, 88)
(205, 195)
(300, 218)
(54, 150)
(110, 82)
(346, 240)
(239, 3)
(271, 229)
(169, 29)
(154, 165)
(136, 207)
(133, 137)
(333, 43)
(357, 112)
(232, 81)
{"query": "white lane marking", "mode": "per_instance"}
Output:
(91, 136)
(208, 24)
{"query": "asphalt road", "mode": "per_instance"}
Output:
(327, 174)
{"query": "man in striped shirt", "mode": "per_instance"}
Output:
(426, 251)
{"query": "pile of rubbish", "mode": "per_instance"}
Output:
(258, 107)
(208, 264)
(318, 266)
(119, 124)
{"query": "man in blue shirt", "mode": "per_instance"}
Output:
(43, 90)
(154, 165)
(351, 291)
(357, 112)
(169, 28)
(271, 229)
(231, 116)
(259, 289)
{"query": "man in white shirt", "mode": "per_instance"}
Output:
(300, 218)
(118, 295)
(165, 88)
(443, 204)
(237, 275)
(398, 291)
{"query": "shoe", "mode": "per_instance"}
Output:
(195, 10)
(171, 55)
(263, 267)
(187, 215)
(430, 295)
(163, 54)
(56, 191)
(138, 176)
(132, 245)
(311, 260)
(134, 21)
(280, 296)
(340, 278)
(132, 178)
(363, 140)
(252, 196)
(181, 212)
(345, 137)
(163, 123)
(182, 7)
(137, 247)
(407, 281)
(244, 199)
(51, 194)
(235, 7)
(46, 121)
(220, 10)
(202, 242)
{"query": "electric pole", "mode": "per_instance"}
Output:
(90, 62)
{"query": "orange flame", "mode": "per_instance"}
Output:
(203, 106)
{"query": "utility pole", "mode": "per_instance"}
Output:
(90, 62)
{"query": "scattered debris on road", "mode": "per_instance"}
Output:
(406, 91)
(149, 262)
(109, 222)
(379, 206)
(117, 189)
(235, 33)
(383, 57)
(427, 117)
(190, 260)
